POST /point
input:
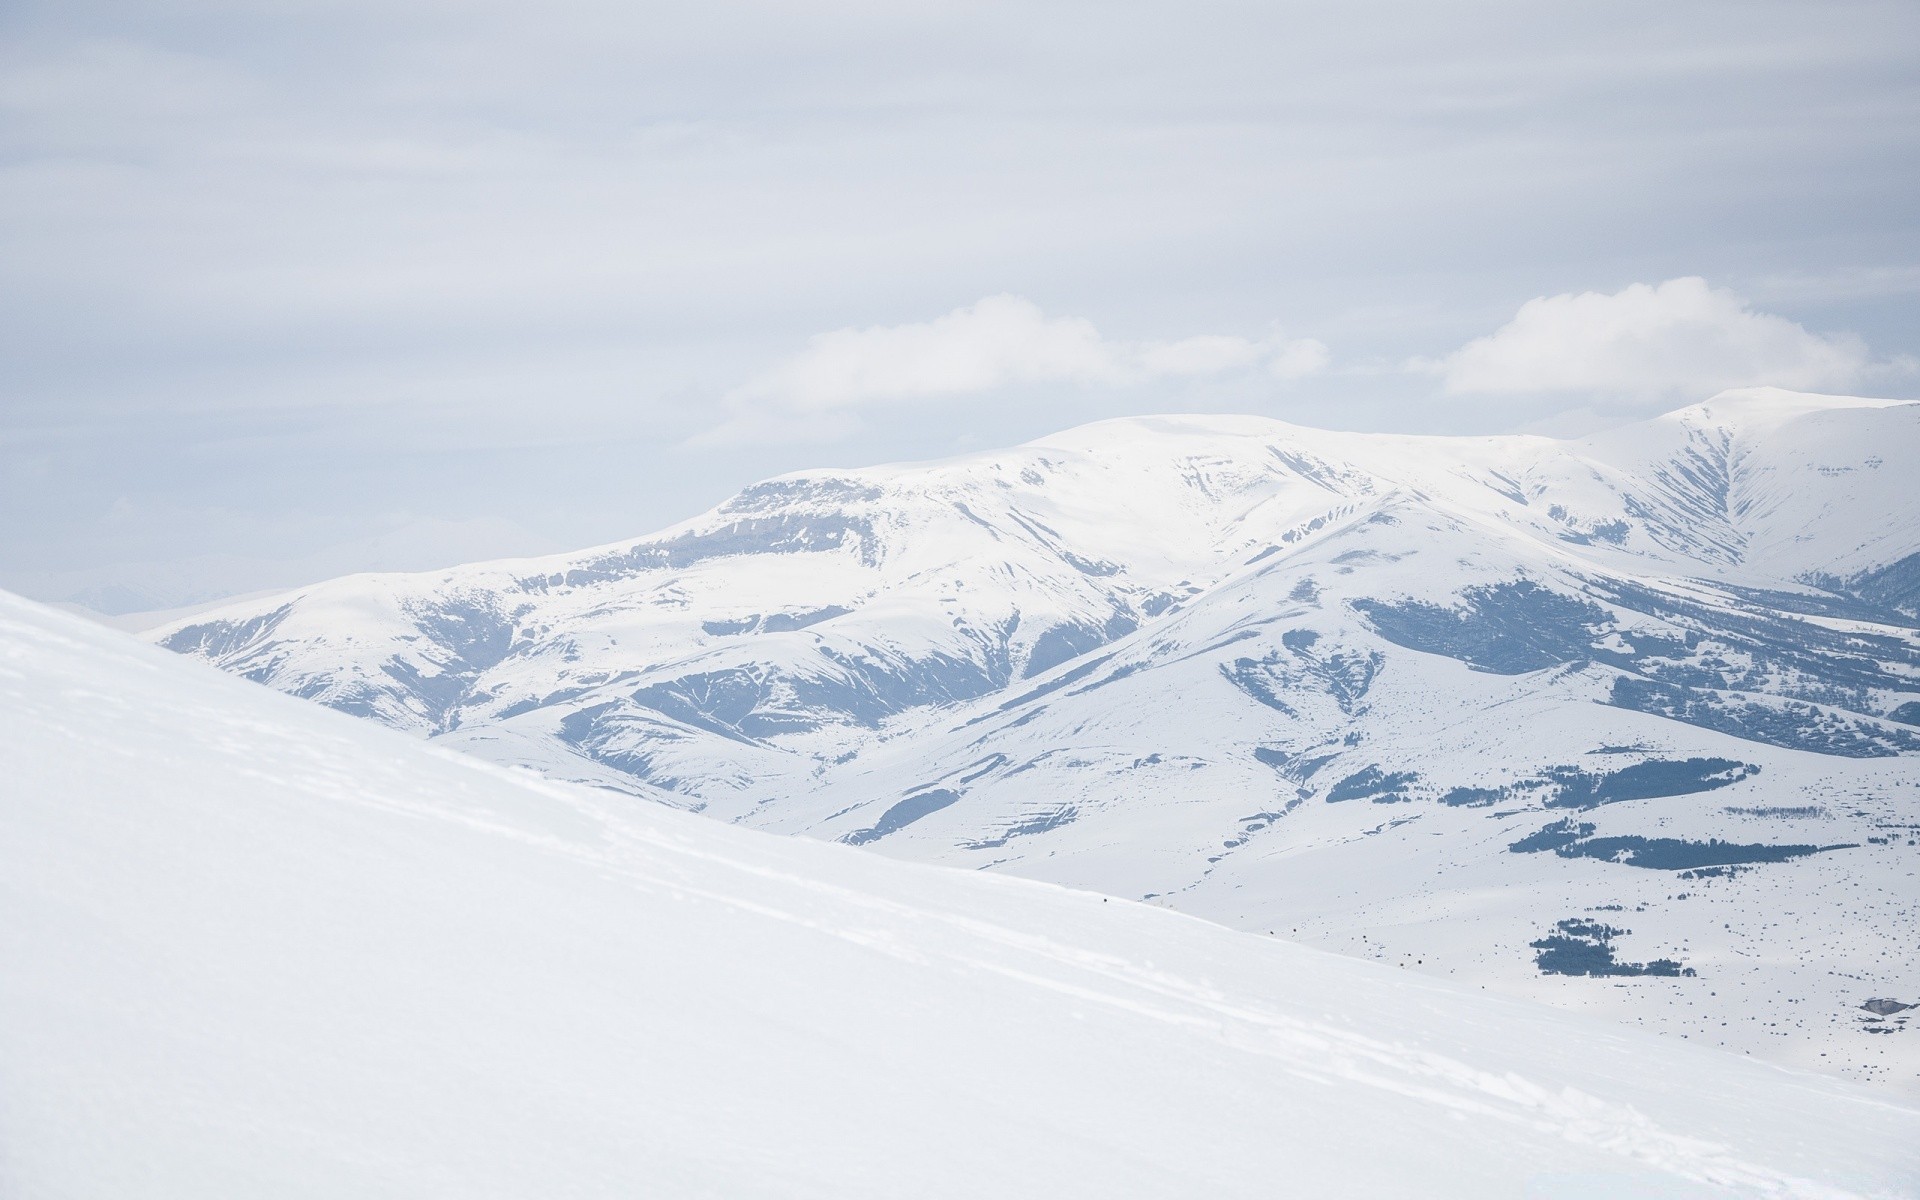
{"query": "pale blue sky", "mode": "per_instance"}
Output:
(293, 289)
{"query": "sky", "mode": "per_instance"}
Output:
(290, 289)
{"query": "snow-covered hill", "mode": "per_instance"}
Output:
(1630, 723)
(257, 949)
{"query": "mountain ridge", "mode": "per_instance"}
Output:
(1229, 664)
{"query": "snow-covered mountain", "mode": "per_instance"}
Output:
(1629, 723)
(254, 948)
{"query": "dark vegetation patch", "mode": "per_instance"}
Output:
(1894, 588)
(1371, 783)
(1304, 667)
(1824, 602)
(782, 622)
(1477, 797)
(1504, 628)
(1296, 767)
(1791, 724)
(1797, 672)
(1261, 820)
(1554, 837)
(1252, 677)
(903, 814)
(1644, 781)
(1744, 646)
(1279, 760)
(1572, 787)
(1571, 838)
(1579, 947)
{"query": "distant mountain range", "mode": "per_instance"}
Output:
(1628, 723)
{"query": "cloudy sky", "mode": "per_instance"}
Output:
(290, 289)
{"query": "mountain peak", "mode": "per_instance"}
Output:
(1162, 656)
(1764, 408)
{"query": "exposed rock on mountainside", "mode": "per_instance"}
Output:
(1417, 698)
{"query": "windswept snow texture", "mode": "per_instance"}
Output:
(257, 949)
(1286, 679)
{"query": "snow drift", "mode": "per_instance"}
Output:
(256, 948)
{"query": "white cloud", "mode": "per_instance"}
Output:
(1000, 341)
(1678, 338)
(1299, 358)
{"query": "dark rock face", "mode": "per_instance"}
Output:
(1886, 1008)
(1066, 642)
(780, 533)
(218, 639)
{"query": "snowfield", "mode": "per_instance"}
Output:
(1629, 724)
(257, 948)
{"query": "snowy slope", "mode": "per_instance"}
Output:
(256, 948)
(1499, 709)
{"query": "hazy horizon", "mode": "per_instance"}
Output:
(298, 290)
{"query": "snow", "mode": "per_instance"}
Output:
(258, 948)
(1145, 657)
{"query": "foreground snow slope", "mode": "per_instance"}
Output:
(257, 948)
(1630, 724)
